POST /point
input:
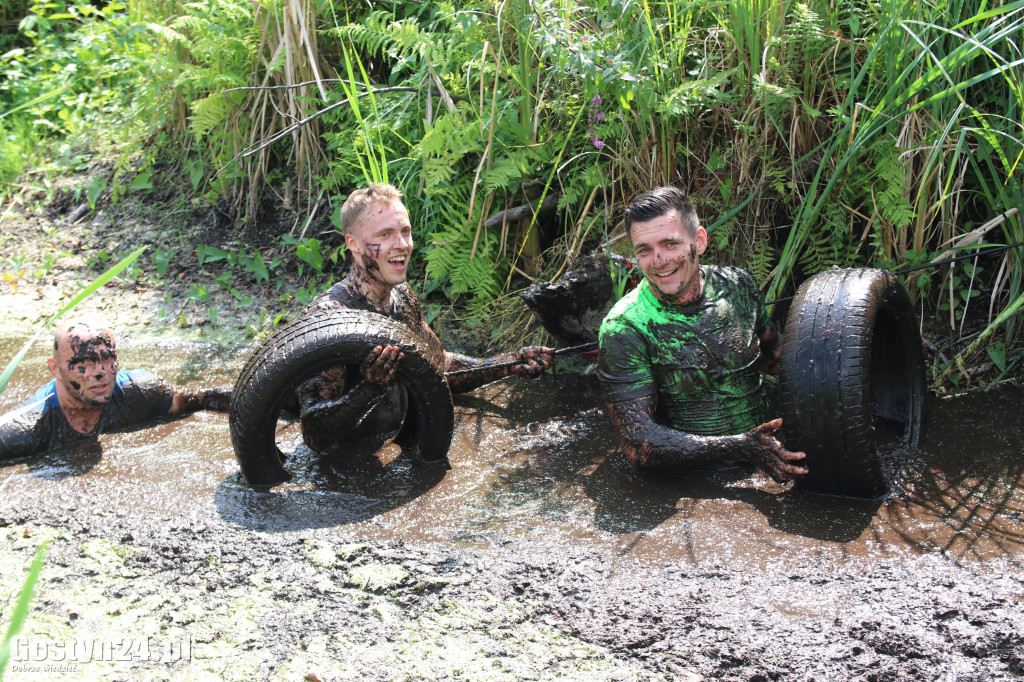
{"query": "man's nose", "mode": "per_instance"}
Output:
(100, 367)
(404, 239)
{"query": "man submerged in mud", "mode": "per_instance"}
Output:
(362, 406)
(89, 395)
(681, 355)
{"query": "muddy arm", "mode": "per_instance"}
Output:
(326, 421)
(649, 444)
(212, 399)
(530, 361)
(17, 438)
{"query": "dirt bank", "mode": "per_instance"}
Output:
(323, 605)
(537, 556)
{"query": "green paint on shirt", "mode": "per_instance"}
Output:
(699, 360)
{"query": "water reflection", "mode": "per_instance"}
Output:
(326, 492)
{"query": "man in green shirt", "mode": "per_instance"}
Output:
(682, 354)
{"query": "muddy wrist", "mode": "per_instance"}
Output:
(217, 399)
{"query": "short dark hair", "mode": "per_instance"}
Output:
(655, 203)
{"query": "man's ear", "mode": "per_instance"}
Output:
(702, 241)
(52, 364)
(351, 243)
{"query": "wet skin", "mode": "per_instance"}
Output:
(85, 367)
(669, 257)
(381, 244)
(84, 364)
(670, 260)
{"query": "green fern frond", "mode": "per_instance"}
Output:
(208, 113)
(830, 244)
(890, 187)
(507, 172)
(169, 34)
(762, 259)
(193, 25)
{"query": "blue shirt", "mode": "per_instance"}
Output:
(39, 423)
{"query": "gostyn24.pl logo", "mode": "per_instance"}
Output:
(87, 650)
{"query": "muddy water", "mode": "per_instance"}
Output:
(535, 464)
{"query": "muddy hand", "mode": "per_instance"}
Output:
(771, 455)
(533, 360)
(381, 364)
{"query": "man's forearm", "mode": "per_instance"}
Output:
(212, 399)
(483, 371)
(325, 421)
(17, 440)
(649, 444)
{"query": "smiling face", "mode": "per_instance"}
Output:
(381, 243)
(84, 363)
(669, 256)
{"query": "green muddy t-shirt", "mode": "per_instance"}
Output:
(699, 359)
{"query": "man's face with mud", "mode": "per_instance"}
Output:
(381, 242)
(85, 363)
(669, 256)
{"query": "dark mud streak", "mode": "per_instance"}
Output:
(86, 350)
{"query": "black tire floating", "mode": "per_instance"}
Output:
(311, 344)
(851, 352)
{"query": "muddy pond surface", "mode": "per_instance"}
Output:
(536, 463)
(536, 471)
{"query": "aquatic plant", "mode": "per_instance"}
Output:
(21, 608)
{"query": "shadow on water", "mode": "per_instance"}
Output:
(345, 489)
(962, 493)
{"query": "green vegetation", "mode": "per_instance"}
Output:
(879, 132)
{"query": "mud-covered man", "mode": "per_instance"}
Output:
(681, 355)
(334, 405)
(89, 395)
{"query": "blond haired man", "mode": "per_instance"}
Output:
(333, 405)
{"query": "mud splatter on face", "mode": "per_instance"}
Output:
(693, 252)
(90, 364)
(99, 348)
(369, 265)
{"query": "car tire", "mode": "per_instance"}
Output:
(313, 343)
(851, 352)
